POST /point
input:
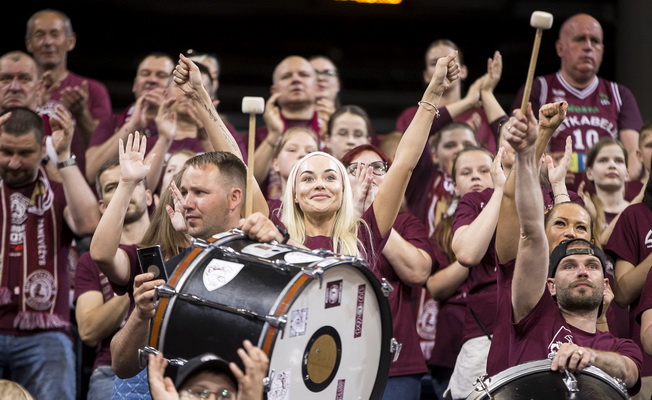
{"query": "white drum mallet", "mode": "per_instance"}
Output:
(251, 106)
(540, 20)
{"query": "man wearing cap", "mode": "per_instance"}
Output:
(558, 323)
(208, 374)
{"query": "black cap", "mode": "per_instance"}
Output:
(206, 361)
(562, 251)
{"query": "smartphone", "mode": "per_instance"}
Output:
(151, 260)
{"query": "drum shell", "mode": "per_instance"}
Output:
(181, 329)
(534, 380)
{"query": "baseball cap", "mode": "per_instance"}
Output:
(562, 251)
(206, 361)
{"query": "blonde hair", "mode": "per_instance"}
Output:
(345, 229)
(13, 390)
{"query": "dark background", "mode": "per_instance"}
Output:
(378, 48)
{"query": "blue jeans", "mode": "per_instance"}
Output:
(134, 388)
(403, 387)
(100, 386)
(44, 363)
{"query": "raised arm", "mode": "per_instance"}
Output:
(506, 233)
(188, 78)
(81, 213)
(471, 242)
(531, 268)
(490, 104)
(390, 195)
(629, 280)
(104, 250)
(265, 152)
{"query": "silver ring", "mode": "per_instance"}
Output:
(580, 352)
(509, 128)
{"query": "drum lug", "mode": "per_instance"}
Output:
(481, 382)
(386, 287)
(395, 347)
(277, 321)
(267, 381)
(199, 243)
(316, 273)
(570, 382)
(163, 291)
(143, 357)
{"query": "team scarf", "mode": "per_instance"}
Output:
(39, 280)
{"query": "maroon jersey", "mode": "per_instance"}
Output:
(631, 241)
(600, 110)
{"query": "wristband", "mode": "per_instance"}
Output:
(71, 161)
(284, 232)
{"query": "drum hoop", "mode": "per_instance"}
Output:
(532, 367)
(179, 277)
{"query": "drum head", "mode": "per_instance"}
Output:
(535, 381)
(336, 343)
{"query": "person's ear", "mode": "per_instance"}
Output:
(559, 46)
(234, 198)
(589, 173)
(550, 282)
(148, 197)
(464, 72)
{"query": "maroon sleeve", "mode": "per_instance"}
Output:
(646, 297)
(630, 115)
(134, 269)
(623, 240)
(99, 101)
(105, 129)
(87, 276)
(468, 208)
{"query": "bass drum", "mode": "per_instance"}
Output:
(535, 381)
(323, 319)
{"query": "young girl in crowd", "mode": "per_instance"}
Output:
(405, 262)
(473, 171)
(348, 127)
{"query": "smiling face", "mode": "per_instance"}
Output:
(153, 73)
(609, 170)
(472, 172)
(49, 39)
(319, 186)
(567, 221)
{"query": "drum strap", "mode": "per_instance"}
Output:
(475, 316)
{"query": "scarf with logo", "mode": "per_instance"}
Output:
(39, 257)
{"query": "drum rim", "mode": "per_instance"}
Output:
(532, 367)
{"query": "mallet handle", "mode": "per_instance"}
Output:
(530, 72)
(249, 195)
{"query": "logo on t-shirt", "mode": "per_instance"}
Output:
(563, 335)
(648, 239)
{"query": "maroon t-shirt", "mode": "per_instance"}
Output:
(544, 330)
(134, 269)
(411, 359)
(88, 278)
(18, 203)
(482, 278)
(631, 241)
(450, 321)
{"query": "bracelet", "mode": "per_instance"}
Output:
(562, 194)
(71, 161)
(284, 232)
(431, 105)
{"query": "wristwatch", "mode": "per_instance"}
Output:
(71, 161)
(284, 232)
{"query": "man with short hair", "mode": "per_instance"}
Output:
(99, 311)
(597, 108)
(40, 219)
(556, 298)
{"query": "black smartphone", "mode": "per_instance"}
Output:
(151, 260)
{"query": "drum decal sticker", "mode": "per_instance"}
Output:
(339, 394)
(279, 389)
(333, 294)
(264, 250)
(298, 322)
(219, 272)
(297, 257)
(359, 310)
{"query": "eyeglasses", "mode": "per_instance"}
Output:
(223, 394)
(326, 72)
(378, 168)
